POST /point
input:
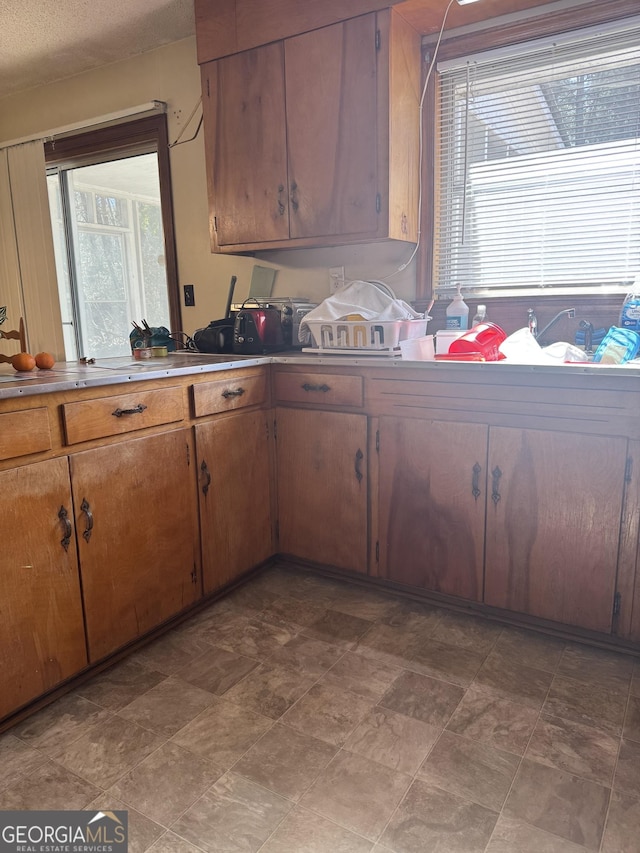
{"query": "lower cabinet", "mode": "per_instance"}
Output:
(524, 520)
(553, 524)
(322, 486)
(41, 620)
(234, 471)
(136, 519)
(432, 504)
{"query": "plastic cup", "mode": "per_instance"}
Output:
(418, 349)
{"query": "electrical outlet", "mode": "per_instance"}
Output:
(336, 279)
(189, 296)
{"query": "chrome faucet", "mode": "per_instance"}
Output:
(569, 312)
(532, 321)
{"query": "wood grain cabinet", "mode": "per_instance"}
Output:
(521, 519)
(553, 524)
(41, 618)
(234, 469)
(136, 517)
(313, 140)
(432, 504)
(322, 486)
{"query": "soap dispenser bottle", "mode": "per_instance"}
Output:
(457, 312)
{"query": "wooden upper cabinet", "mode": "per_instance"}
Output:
(245, 139)
(313, 140)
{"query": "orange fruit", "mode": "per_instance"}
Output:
(23, 361)
(45, 361)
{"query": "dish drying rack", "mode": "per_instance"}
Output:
(366, 337)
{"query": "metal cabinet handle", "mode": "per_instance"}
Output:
(207, 476)
(63, 515)
(137, 410)
(293, 196)
(237, 393)
(475, 480)
(308, 387)
(357, 464)
(281, 207)
(86, 509)
(495, 490)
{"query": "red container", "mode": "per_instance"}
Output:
(485, 338)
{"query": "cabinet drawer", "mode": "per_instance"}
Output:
(123, 413)
(225, 395)
(323, 388)
(24, 432)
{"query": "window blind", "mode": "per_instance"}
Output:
(539, 166)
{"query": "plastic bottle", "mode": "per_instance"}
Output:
(480, 315)
(630, 314)
(457, 313)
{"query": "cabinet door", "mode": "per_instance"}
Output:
(245, 146)
(322, 486)
(331, 97)
(137, 519)
(553, 524)
(432, 504)
(235, 496)
(41, 625)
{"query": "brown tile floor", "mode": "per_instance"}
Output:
(304, 715)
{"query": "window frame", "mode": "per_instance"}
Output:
(137, 136)
(544, 24)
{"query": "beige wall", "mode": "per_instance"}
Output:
(171, 74)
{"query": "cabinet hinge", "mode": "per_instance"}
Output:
(616, 604)
(377, 441)
(378, 203)
(194, 574)
(377, 552)
(377, 39)
(628, 469)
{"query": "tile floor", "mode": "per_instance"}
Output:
(305, 715)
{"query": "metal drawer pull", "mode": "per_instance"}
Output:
(308, 387)
(237, 393)
(205, 471)
(495, 492)
(63, 515)
(86, 509)
(137, 410)
(475, 480)
(357, 464)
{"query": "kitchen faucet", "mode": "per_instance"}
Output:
(569, 312)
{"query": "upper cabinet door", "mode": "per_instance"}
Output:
(331, 86)
(245, 146)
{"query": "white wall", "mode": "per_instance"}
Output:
(171, 74)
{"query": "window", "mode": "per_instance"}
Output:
(540, 166)
(108, 218)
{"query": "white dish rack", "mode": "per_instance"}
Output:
(373, 337)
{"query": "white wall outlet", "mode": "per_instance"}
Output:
(336, 279)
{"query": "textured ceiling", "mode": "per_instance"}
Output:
(45, 41)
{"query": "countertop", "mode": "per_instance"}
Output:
(66, 376)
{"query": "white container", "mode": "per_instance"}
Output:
(444, 339)
(418, 349)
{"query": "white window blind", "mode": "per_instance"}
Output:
(539, 166)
